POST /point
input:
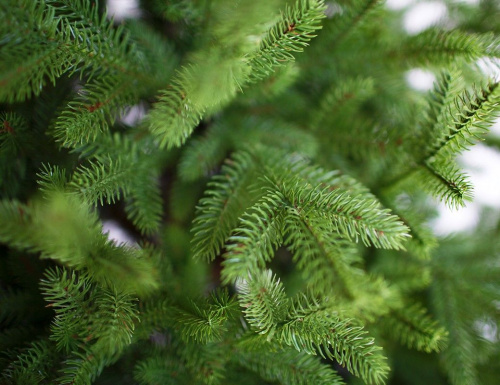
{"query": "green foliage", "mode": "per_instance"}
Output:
(265, 302)
(273, 169)
(229, 192)
(312, 328)
(415, 329)
(348, 17)
(31, 366)
(291, 368)
(437, 47)
(63, 229)
(459, 311)
(453, 122)
(206, 324)
(291, 33)
(226, 68)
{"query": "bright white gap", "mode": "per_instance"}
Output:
(482, 164)
(488, 330)
(495, 128)
(453, 221)
(420, 79)
(396, 5)
(490, 67)
(332, 9)
(134, 115)
(116, 233)
(424, 15)
(123, 9)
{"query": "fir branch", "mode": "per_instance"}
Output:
(119, 167)
(145, 206)
(103, 182)
(174, 117)
(52, 179)
(477, 111)
(352, 217)
(351, 16)
(341, 100)
(335, 180)
(63, 228)
(39, 48)
(32, 366)
(445, 181)
(63, 38)
(15, 219)
(160, 369)
(192, 93)
(97, 105)
(98, 44)
(407, 274)
(291, 33)
(440, 109)
(464, 291)
(279, 165)
(263, 297)
(422, 241)
(449, 132)
(156, 57)
(203, 320)
(179, 10)
(290, 368)
(414, 328)
(101, 321)
(121, 82)
(114, 329)
(267, 196)
(316, 330)
(203, 154)
(459, 358)
(321, 257)
(124, 268)
(206, 363)
(253, 242)
(217, 214)
(438, 47)
(273, 134)
(69, 295)
(14, 135)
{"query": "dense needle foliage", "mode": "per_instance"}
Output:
(277, 175)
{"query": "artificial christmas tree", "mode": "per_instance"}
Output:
(279, 199)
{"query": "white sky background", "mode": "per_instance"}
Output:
(481, 163)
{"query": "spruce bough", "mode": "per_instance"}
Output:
(278, 189)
